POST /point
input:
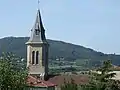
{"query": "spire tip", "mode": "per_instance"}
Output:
(38, 4)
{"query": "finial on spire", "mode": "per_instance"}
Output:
(38, 3)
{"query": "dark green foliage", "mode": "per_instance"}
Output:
(17, 62)
(58, 49)
(12, 75)
(102, 79)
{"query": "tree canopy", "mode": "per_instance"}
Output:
(11, 78)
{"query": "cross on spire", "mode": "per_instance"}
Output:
(38, 3)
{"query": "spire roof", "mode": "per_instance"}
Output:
(37, 32)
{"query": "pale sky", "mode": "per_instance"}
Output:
(91, 23)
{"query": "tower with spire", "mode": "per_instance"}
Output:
(37, 50)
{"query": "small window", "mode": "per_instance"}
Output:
(37, 31)
(33, 57)
(37, 57)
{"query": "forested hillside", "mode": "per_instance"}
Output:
(58, 49)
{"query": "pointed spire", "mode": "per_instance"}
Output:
(38, 32)
(38, 23)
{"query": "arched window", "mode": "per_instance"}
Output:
(33, 57)
(37, 57)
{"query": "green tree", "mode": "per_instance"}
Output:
(12, 76)
(102, 78)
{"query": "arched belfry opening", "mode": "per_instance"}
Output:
(33, 57)
(37, 57)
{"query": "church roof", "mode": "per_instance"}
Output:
(35, 82)
(37, 32)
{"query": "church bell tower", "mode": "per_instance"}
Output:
(37, 50)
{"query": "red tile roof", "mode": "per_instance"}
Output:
(57, 80)
(78, 79)
(32, 81)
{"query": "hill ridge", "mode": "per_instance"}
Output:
(58, 49)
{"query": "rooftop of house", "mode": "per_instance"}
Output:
(61, 79)
(57, 80)
(35, 82)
